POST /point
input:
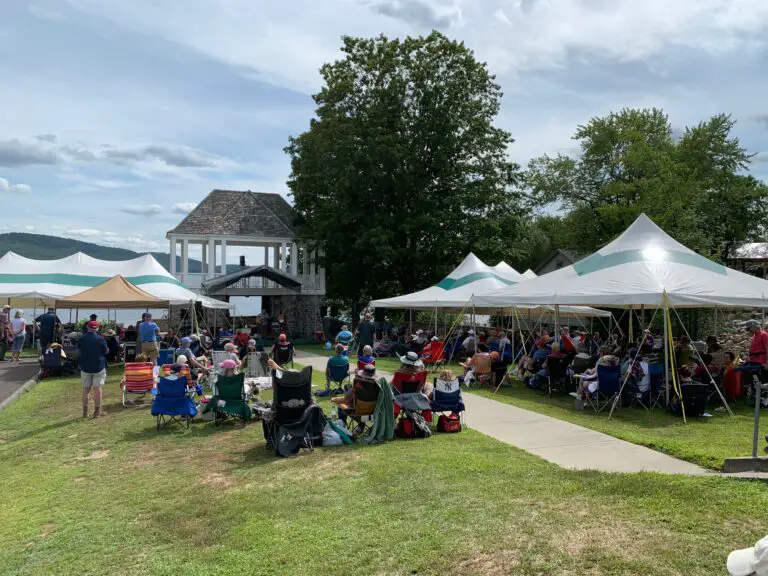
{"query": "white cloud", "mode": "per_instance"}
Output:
(29, 228)
(142, 209)
(183, 207)
(84, 232)
(45, 13)
(8, 188)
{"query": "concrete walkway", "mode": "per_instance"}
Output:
(559, 442)
(14, 375)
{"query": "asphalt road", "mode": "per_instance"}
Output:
(13, 375)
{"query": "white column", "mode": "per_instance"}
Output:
(312, 269)
(211, 258)
(283, 257)
(172, 260)
(223, 256)
(276, 256)
(184, 259)
(322, 277)
(266, 255)
(204, 259)
(294, 270)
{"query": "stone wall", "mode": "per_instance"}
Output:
(302, 313)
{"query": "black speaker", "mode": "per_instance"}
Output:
(242, 261)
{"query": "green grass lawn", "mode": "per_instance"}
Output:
(705, 441)
(114, 496)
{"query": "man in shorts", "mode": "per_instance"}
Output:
(93, 366)
(149, 334)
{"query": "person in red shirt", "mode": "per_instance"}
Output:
(242, 339)
(758, 351)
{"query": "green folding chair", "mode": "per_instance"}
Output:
(229, 400)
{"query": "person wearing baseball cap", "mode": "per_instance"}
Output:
(749, 561)
(93, 366)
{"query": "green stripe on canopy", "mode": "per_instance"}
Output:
(598, 262)
(78, 280)
(452, 283)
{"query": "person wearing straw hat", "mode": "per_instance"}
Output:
(749, 561)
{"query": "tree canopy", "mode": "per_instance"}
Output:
(694, 186)
(403, 172)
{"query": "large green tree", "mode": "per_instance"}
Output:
(403, 172)
(695, 185)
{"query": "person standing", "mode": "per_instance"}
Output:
(93, 366)
(48, 325)
(758, 351)
(4, 330)
(149, 334)
(19, 333)
(93, 318)
(366, 331)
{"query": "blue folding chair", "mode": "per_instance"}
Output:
(608, 386)
(656, 389)
(446, 397)
(337, 375)
(172, 402)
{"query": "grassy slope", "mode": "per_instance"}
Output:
(705, 441)
(116, 497)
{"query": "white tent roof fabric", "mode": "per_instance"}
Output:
(638, 268)
(457, 290)
(506, 271)
(26, 280)
(528, 274)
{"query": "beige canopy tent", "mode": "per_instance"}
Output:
(115, 293)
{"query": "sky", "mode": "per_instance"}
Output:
(117, 117)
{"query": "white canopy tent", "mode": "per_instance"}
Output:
(506, 271)
(460, 289)
(24, 282)
(528, 274)
(639, 268)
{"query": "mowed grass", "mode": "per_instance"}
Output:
(114, 496)
(704, 441)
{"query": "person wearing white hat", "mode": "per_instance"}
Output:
(749, 561)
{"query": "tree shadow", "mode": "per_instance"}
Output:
(43, 429)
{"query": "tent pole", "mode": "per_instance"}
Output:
(666, 356)
(34, 315)
(557, 325)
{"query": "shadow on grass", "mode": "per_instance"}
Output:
(43, 429)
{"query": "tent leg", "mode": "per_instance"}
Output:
(666, 356)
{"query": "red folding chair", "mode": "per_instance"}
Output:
(404, 383)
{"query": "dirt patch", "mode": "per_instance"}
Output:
(47, 530)
(97, 455)
(79, 479)
(484, 564)
(218, 480)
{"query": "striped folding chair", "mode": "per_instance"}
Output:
(138, 380)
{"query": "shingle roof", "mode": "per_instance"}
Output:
(236, 213)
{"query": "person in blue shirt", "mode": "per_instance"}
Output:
(93, 366)
(93, 318)
(48, 324)
(344, 337)
(338, 364)
(149, 334)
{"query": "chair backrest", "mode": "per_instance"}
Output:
(580, 364)
(138, 372)
(172, 387)
(656, 372)
(482, 364)
(230, 387)
(218, 357)
(165, 370)
(609, 379)
(409, 383)
(447, 393)
(52, 359)
(293, 394)
(361, 364)
(283, 352)
(255, 367)
(557, 366)
(338, 373)
(365, 392)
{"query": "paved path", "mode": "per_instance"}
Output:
(13, 375)
(565, 444)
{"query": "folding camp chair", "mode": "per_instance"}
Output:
(656, 389)
(255, 367)
(283, 353)
(361, 365)
(608, 386)
(403, 383)
(138, 380)
(481, 371)
(556, 369)
(338, 375)
(295, 421)
(229, 399)
(435, 358)
(365, 394)
(172, 403)
(447, 397)
(218, 356)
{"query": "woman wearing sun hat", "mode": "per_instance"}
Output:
(749, 561)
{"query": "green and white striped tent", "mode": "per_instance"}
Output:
(470, 279)
(24, 282)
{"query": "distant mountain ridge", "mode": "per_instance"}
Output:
(42, 247)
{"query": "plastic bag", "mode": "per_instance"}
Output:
(331, 437)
